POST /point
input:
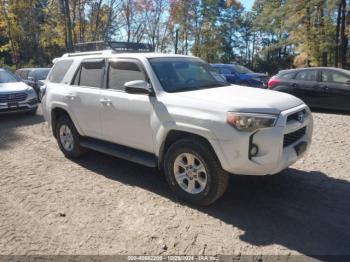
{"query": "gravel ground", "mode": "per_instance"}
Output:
(103, 205)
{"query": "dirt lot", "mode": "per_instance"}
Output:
(103, 205)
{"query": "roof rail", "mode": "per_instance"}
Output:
(103, 52)
(119, 47)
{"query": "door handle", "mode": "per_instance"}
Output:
(70, 96)
(294, 85)
(106, 102)
(324, 87)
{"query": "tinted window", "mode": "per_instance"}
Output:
(122, 72)
(91, 77)
(288, 75)
(241, 69)
(226, 71)
(336, 77)
(41, 74)
(59, 70)
(307, 75)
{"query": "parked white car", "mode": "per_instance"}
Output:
(176, 113)
(15, 95)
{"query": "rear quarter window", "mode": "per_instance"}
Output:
(59, 70)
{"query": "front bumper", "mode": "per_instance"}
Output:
(274, 153)
(23, 106)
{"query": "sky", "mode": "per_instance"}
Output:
(247, 4)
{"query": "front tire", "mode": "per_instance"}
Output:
(68, 138)
(194, 173)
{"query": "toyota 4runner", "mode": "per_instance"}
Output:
(176, 113)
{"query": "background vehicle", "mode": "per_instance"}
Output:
(322, 87)
(176, 113)
(33, 77)
(16, 96)
(240, 75)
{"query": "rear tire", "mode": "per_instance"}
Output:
(68, 138)
(200, 183)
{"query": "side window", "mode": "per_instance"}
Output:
(288, 75)
(226, 71)
(121, 72)
(334, 77)
(90, 73)
(59, 70)
(307, 75)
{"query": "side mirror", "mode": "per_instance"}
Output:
(138, 87)
(348, 82)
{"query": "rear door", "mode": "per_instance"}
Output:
(305, 86)
(335, 87)
(126, 118)
(83, 97)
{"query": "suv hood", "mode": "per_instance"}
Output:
(13, 87)
(245, 99)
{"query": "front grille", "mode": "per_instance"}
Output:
(296, 116)
(293, 137)
(13, 97)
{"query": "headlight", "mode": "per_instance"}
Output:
(250, 122)
(30, 91)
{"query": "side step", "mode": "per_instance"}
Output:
(127, 153)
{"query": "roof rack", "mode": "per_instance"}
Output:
(118, 47)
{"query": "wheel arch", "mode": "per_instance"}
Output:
(174, 135)
(56, 113)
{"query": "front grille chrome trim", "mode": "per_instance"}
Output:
(13, 97)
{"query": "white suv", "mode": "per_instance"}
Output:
(176, 113)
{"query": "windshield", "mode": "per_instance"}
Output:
(7, 77)
(42, 74)
(242, 69)
(185, 74)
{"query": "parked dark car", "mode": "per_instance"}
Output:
(323, 87)
(33, 77)
(240, 75)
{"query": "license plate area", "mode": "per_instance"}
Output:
(300, 148)
(12, 105)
